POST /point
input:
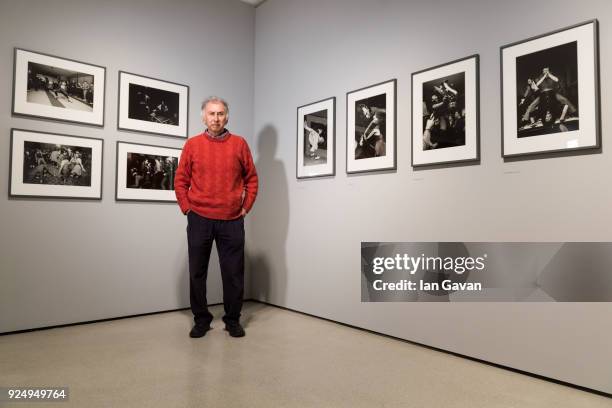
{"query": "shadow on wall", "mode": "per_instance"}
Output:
(266, 256)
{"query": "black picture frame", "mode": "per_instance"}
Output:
(381, 154)
(320, 162)
(44, 83)
(139, 191)
(458, 141)
(522, 134)
(164, 113)
(46, 180)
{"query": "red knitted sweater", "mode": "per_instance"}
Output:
(216, 178)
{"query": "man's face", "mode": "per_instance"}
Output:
(365, 111)
(548, 117)
(215, 117)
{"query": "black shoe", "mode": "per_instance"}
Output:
(235, 329)
(198, 331)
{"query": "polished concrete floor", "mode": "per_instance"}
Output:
(286, 360)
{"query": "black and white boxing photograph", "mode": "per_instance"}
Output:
(547, 91)
(444, 112)
(371, 123)
(55, 165)
(550, 92)
(152, 105)
(316, 139)
(62, 88)
(51, 87)
(150, 171)
(146, 172)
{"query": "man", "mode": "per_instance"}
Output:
(85, 88)
(372, 139)
(548, 84)
(216, 185)
(63, 89)
(314, 138)
(169, 170)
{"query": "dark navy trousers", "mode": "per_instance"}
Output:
(228, 235)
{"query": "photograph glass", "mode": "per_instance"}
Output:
(547, 94)
(316, 139)
(55, 166)
(550, 92)
(153, 105)
(315, 142)
(62, 88)
(371, 127)
(445, 113)
(145, 172)
(50, 87)
(150, 172)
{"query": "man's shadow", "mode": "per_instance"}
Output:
(268, 224)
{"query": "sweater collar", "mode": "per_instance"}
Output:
(222, 136)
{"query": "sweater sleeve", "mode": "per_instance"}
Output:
(251, 181)
(182, 179)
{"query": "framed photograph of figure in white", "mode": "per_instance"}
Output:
(316, 139)
(152, 106)
(550, 92)
(50, 87)
(371, 128)
(445, 113)
(145, 172)
(54, 165)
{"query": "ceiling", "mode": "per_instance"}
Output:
(253, 2)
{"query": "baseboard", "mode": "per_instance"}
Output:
(95, 321)
(489, 363)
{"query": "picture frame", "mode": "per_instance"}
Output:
(316, 139)
(51, 87)
(550, 92)
(145, 172)
(150, 105)
(54, 165)
(446, 113)
(371, 125)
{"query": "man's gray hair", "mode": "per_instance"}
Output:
(218, 100)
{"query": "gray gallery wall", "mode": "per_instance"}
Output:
(305, 235)
(64, 261)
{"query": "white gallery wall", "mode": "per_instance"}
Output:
(65, 261)
(304, 242)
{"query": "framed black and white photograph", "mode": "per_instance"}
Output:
(55, 165)
(370, 128)
(152, 106)
(445, 113)
(50, 87)
(550, 92)
(316, 139)
(145, 172)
